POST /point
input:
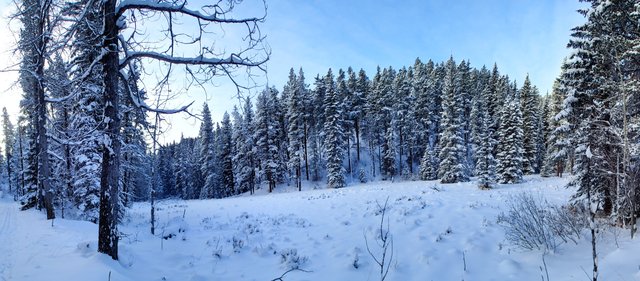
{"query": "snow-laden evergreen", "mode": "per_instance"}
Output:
(334, 135)
(510, 144)
(452, 166)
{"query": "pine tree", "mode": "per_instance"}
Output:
(360, 93)
(558, 143)
(597, 81)
(87, 109)
(207, 155)
(429, 165)
(316, 126)
(296, 129)
(485, 162)
(345, 97)
(58, 86)
(543, 133)
(9, 140)
(404, 120)
(428, 113)
(184, 168)
(334, 136)
(374, 120)
(420, 110)
(134, 156)
(244, 158)
(267, 136)
(307, 111)
(529, 108)
(383, 97)
(509, 157)
(452, 166)
(479, 107)
(227, 181)
(33, 46)
(465, 86)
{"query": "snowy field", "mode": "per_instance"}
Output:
(439, 232)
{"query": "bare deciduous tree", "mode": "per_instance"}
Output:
(167, 34)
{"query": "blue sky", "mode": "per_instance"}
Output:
(521, 36)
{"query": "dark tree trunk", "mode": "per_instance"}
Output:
(349, 156)
(22, 179)
(299, 177)
(9, 171)
(67, 156)
(45, 194)
(401, 151)
(153, 211)
(44, 174)
(109, 207)
(306, 154)
(357, 128)
(410, 160)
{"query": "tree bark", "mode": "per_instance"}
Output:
(109, 207)
(44, 170)
(357, 128)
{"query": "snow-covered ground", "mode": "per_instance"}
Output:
(440, 232)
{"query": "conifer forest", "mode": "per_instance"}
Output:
(86, 148)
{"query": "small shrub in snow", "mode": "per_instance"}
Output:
(384, 239)
(535, 224)
(362, 175)
(237, 244)
(291, 260)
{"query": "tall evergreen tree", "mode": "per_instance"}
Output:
(360, 93)
(9, 140)
(244, 159)
(134, 156)
(452, 166)
(267, 136)
(225, 156)
(560, 126)
(485, 162)
(510, 136)
(404, 120)
(334, 135)
(206, 151)
(316, 124)
(529, 108)
(296, 130)
(34, 48)
(597, 81)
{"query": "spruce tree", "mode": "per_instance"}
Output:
(529, 108)
(227, 181)
(509, 157)
(267, 137)
(9, 140)
(558, 143)
(485, 162)
(452, 166)
(404, 121)
(296, 129)
(334, 135)
(206, 154)
(245, 160)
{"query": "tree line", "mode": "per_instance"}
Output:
(428, 121)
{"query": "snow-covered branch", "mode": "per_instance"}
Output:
(179, 8)
(233, 59)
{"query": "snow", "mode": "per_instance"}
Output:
(437, 229)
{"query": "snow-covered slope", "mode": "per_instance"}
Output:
(440, 232)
